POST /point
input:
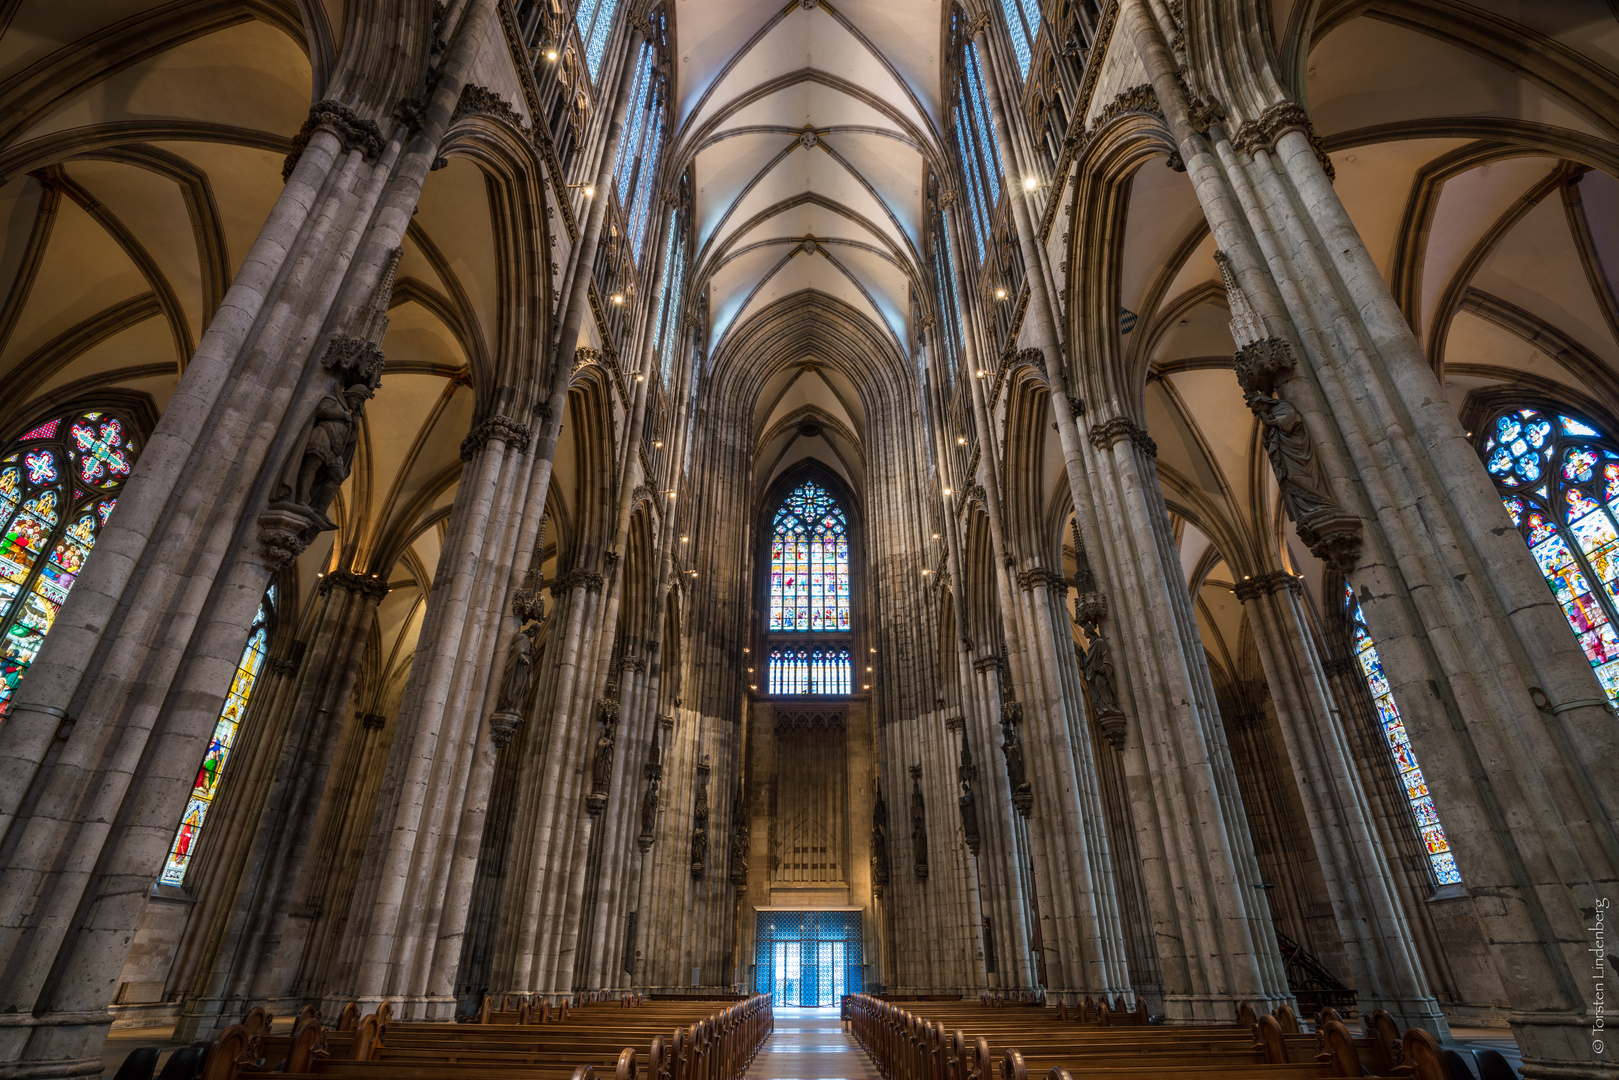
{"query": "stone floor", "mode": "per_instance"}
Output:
(810, 1044)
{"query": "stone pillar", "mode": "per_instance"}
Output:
(1210, 919)
(139, 658)
(275, 892)
(1512, 728)
(1382, 955)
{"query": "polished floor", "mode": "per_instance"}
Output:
(811, 1044)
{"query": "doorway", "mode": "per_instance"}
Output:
(808, 958)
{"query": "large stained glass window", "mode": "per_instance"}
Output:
(975, 142)
(1023, 20)
(58, 484)
(595, 21)
(1559, 478)
(212, 768)
(1405, 758)
(809, 563)
(810, 669)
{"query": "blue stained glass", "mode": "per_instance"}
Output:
(1425, 812)
(595, 21)
(1020, 35)
(1567, 521)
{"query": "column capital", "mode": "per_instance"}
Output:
(1252, 588)
(352, 130)
(1108, 432)
(501, 428)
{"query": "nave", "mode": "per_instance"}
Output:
(510, 502)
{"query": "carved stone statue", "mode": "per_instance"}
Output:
(699, 849)
(1099, 676)
(879, 841)
(1292, 456)
(919, 825)
(969, 816)
(649, 801)
(519, 670)
(601, 769)
(327, 453)
(1012, 748)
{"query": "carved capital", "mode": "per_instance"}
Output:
(373, 721)
(955, 724)
(1108, 432)
(1284, 116)
(481, 101)
(351, 129)
(502, 429)
(1090, 608)
(372, 586)
(1040, 577)
(1333, 536)
(1261, 364)
(1253, 588)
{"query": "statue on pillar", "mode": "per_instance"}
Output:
(919, 825)
(969, 816)
(879, 842)
(601, 766)
(1017, 776)
(1332, 534)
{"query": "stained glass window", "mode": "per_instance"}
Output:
(595, 21)
(1023, 20)
(1559, 479)
(810, 669)
(1405, 758)
(58, 484)
(212, 768)
(809, 563)
(674, 283)
(975, 142)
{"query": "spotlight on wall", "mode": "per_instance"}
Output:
(1000, 294)
(657, 446)
(618, 298)
(981, 373)
(1032, 183)
(961, 440)
(683, 539)
(551, 55)
(948, 493)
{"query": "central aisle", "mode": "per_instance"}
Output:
(810, 1044)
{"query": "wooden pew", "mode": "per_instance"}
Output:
(705, 1045)
(908, 1046)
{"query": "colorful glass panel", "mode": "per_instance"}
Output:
(57, 486)
(809, 563)
(206, 785)
(1429, 827)
(1569, 520)
(810, 669)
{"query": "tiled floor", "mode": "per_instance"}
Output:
(810, 1044)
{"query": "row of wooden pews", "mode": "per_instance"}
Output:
(521, 1039)
(1096, 1041)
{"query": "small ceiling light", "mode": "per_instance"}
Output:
(948, 492)
(642, 378)
(926, 571)
(865, 686)
(1030, 183)
(868, 668)
(589, 191)
(1000, 294)
(657, 446)
(746, 649)
(873, 650)
(751, 686)
(935, 536)
(961, 440)
(618, 298)
(750, 671)
(551, 54)
(683, 539)
(982, 374)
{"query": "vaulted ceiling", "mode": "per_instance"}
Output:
(808, 129)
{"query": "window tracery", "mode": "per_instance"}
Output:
(58, 484)
(975, 142)
(1023, 20)
(642, 147)
(1559, 480)
(1429, 827)
(809, 594)
(220, 745)
(595, 21)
